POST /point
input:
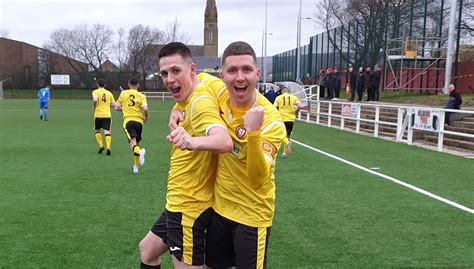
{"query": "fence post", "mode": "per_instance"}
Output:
(318, 110)
(399, 124)
(376, 123)
(441, 131)
(329, 113)
(358, 119)
(410, 129)
(342, 119)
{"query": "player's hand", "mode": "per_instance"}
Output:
(181, 139)
(175, 118)
(253, 119)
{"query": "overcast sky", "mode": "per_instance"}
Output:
(32, 21)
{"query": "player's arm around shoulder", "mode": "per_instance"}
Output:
(209, 131)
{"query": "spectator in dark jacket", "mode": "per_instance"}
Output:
(454, 102)
(337, 83)
(329, 82)
(378, 75)
(360, 84)
(352, 82)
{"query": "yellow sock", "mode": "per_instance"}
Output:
(285, 148)
(98, 137)
(108, 141)
(136, 155)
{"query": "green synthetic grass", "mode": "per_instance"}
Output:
(63, 205)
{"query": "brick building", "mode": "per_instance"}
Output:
(29, 66)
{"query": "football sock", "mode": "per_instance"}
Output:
(98, 137)
(45, 115)
(108, 140)
(41, 114)
(146, 266)
(136, 155)
(285, 148)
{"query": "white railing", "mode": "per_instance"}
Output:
(159, 95)
(408, 119)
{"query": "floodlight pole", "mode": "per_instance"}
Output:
(450, 51)
(264, 60)
(298, 44)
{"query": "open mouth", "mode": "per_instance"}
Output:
(175, 90)
(240, 88)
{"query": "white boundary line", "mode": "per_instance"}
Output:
(434, 196)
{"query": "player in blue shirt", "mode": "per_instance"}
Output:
(43, 96)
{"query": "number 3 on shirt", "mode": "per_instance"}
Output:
(131, 103)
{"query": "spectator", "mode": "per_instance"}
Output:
(454, 102)
(337, 83)
(367, 83)
(360, 84)
(329, 82)
(321, 82)
(352, 82)
(308, 80)
(378, 75)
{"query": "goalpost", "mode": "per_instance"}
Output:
(1, 87)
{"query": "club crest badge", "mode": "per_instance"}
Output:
(241, 132)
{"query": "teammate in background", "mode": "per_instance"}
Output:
(288, 105)
(134, 106)
(44, 95)
(102, 100)
(245, 184)
(190, 193)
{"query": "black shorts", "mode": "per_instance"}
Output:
(102, 123)
(133, 129)
(185, 234)
(233, 244)
(289, 127)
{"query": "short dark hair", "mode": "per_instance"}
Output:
(238, 48)
(175, 48)
(101, 82)
(133, 81)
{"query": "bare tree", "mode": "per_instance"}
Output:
(121, 50)
(368, 19)
(142, 41)
(467, 21)
(92, 46)
(173, 33)
(4, 33)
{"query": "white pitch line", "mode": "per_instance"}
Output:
(434, 196)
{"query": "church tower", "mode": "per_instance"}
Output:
(210, 29)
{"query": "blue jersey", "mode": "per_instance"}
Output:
(43, 95)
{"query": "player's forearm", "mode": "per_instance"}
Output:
(118, 107)
(258, 168)
(216, 143)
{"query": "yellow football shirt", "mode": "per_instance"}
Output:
(104, 100)
(192, 175)
(132, 101)
(286, 105)
(245, 183)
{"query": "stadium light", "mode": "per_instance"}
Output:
(264, 61)
(450, 50)
(264, 53)
(298, 43)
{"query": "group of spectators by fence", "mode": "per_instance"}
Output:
(358, 83)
